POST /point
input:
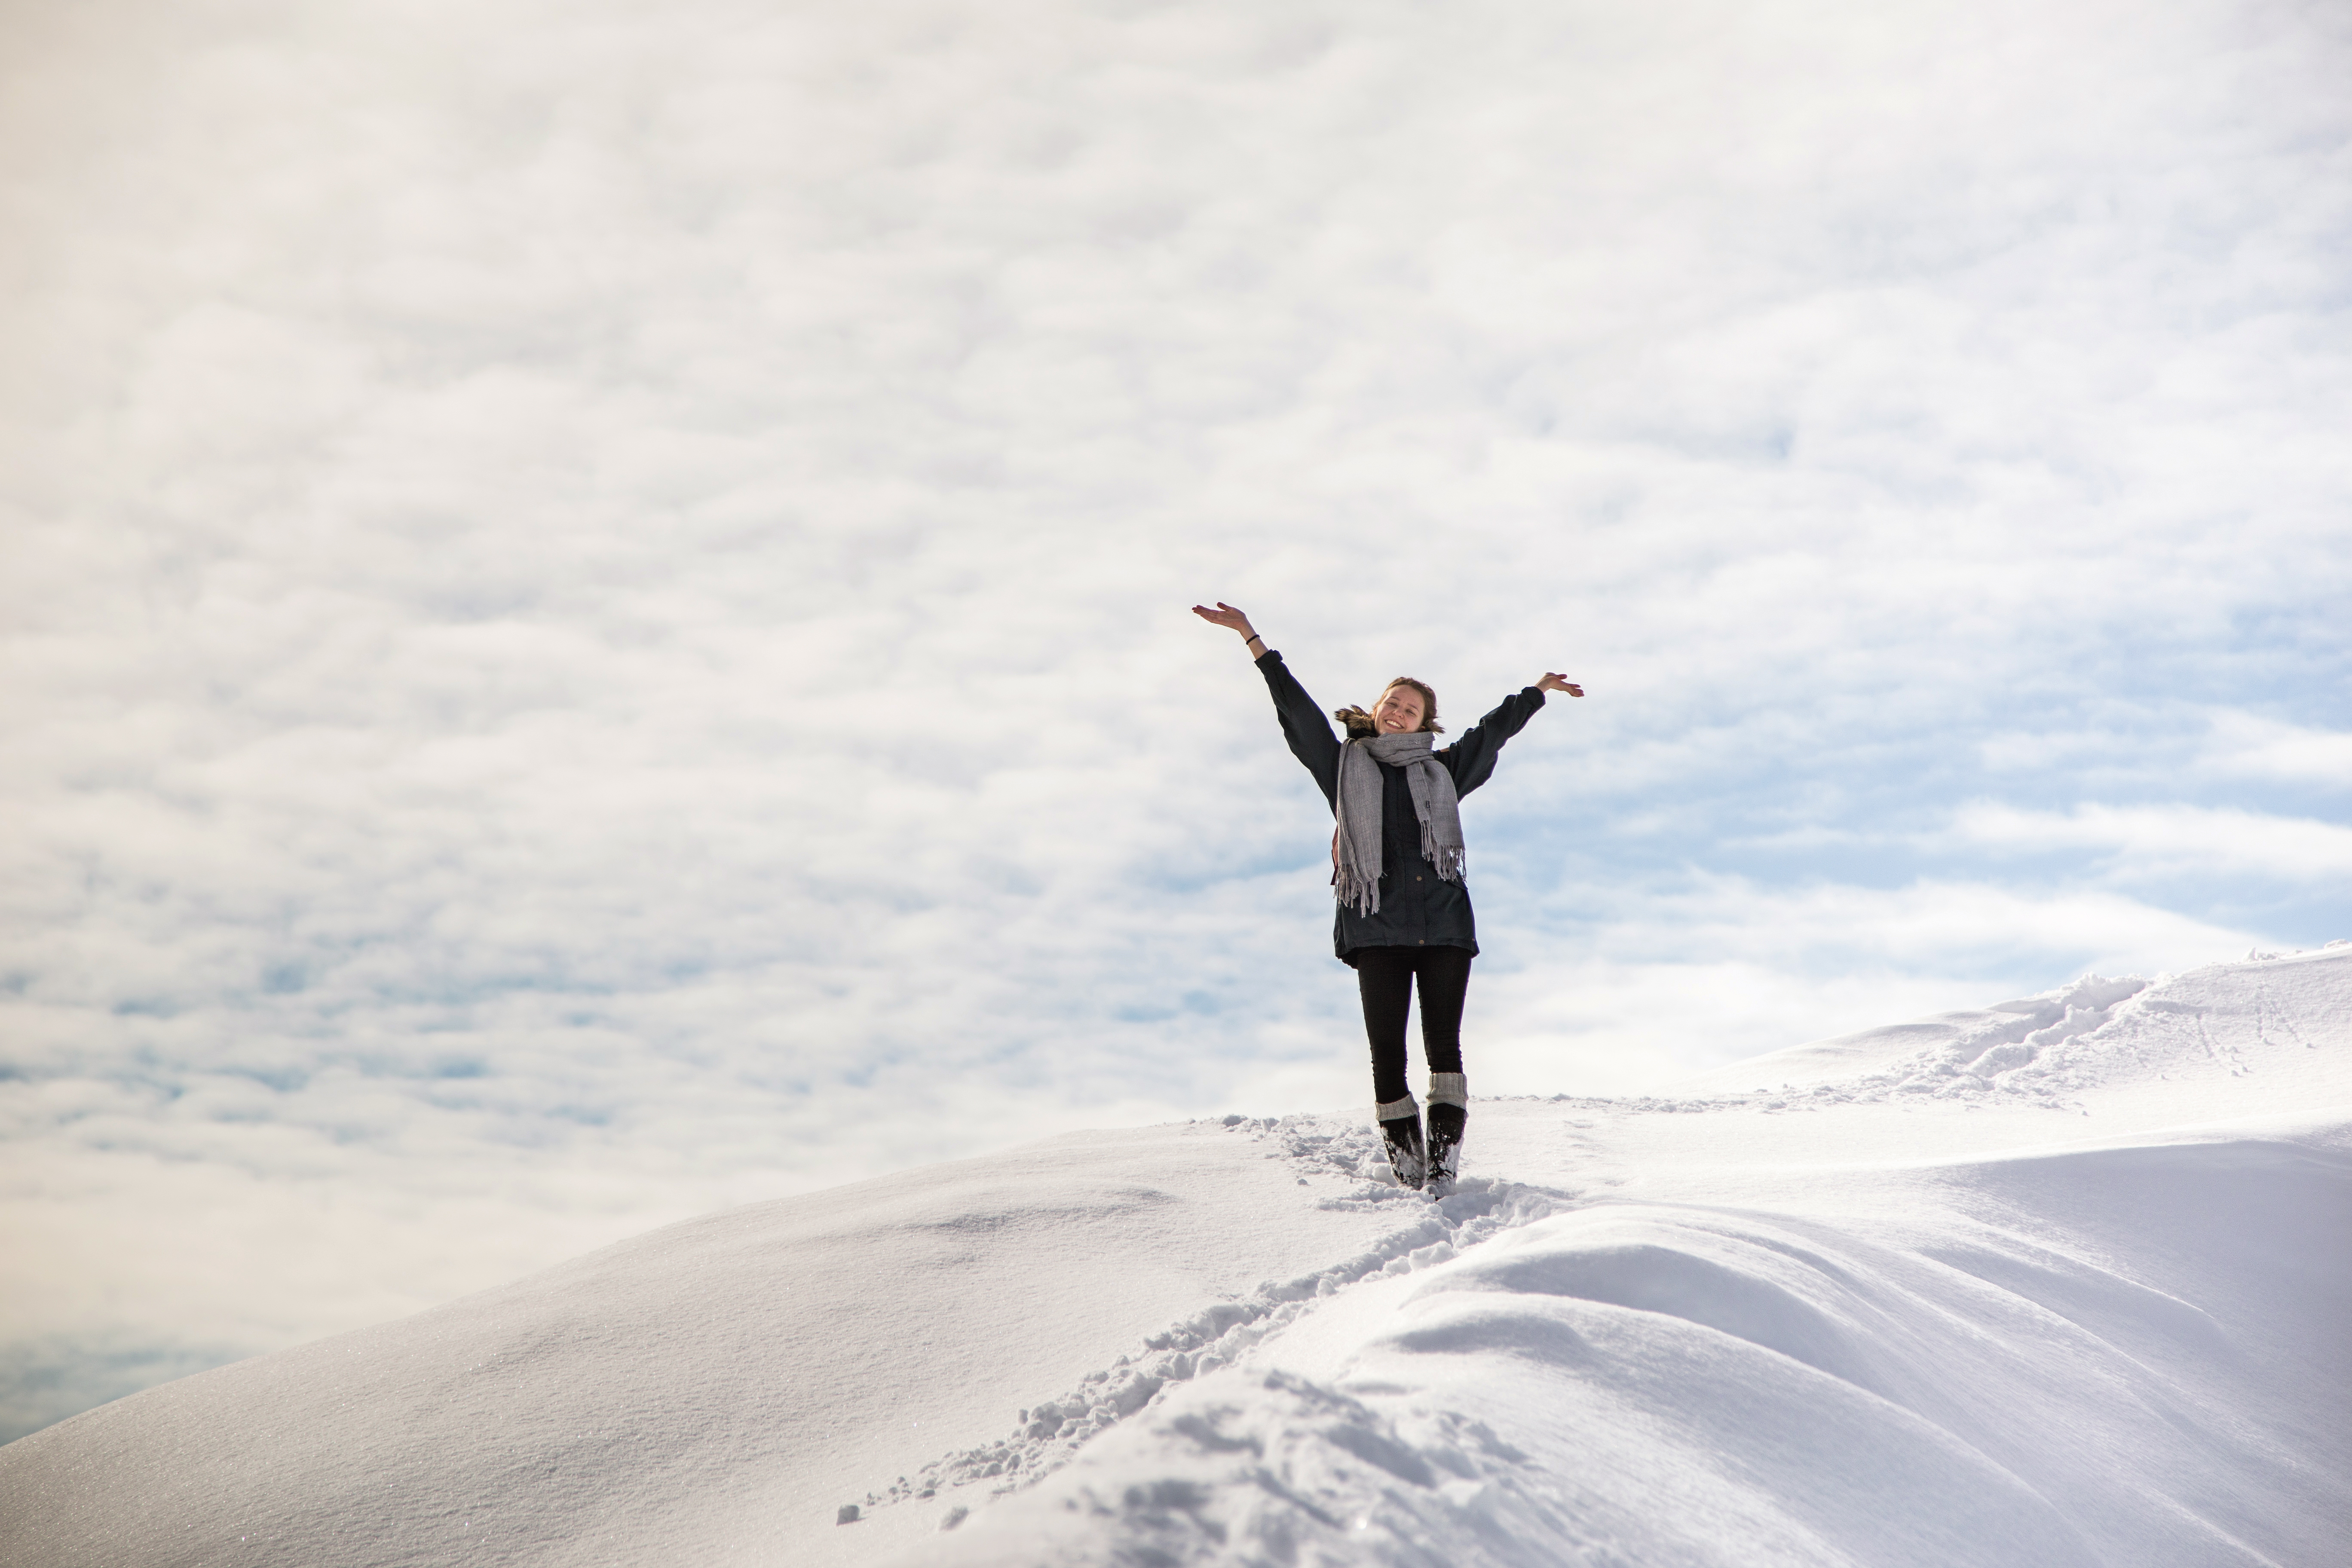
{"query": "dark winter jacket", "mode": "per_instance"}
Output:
(1416, 909)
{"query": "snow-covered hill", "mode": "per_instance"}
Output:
(2067, 1280)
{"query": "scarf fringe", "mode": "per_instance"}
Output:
(1355, 862)
(1363, 893)
(1448, 861)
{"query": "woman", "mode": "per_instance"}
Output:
(1396, 866)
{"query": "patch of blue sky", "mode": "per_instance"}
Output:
(576, 1113)
(283, 1077)
(1595, 874)
(455, 1000)
(46, 1380)
(1181, 875)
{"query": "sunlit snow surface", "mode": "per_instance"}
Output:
(2064, 1281)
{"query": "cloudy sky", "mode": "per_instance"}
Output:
(595, 594)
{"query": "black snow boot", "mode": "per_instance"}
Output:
(1401, 1126)
(1449, 1118)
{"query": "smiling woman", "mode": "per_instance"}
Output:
(1404, 916)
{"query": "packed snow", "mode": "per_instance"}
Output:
(2061, 1282)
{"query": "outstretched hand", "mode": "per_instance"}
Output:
(1225, 616)
(1559, 683)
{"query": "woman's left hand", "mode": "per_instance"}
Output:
(1559, 683)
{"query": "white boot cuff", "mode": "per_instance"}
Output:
(1449, 1089)
(1396, 1109)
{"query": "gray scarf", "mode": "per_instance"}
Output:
(1356, 846)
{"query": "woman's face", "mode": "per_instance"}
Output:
(1398, 711)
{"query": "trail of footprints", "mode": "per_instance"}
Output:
(2024, 1057)
(1047, 1434)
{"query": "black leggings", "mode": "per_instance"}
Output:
(1385, 976)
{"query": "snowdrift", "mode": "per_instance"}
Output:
(2061, 1282)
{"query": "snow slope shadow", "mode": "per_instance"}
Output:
(2091, 1357)
(1047, 1434)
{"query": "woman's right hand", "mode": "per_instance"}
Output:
(1225, 616)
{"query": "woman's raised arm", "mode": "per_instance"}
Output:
(1303, 724)
(1225, 616)
(1551, 682)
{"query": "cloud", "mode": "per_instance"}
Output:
(2142, 841)
(595, 612)
(2247, 746)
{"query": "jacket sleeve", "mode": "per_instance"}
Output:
(1471, 758)
(1304, 726)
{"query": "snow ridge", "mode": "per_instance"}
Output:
(1623, 1383)
(1996, 1347)
(2020, 1056)
(1048, 1434)
(2040, 1052)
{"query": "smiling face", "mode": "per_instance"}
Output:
(1400, 711)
